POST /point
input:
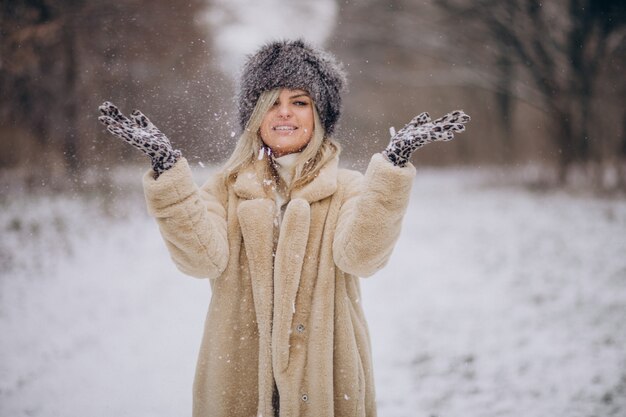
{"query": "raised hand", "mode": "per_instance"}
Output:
(420, 131)
(142, 134)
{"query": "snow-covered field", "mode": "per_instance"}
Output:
(498, 301)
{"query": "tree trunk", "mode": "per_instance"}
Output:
(504, 99)
(70, 140)
(564, 132)
(621, 156)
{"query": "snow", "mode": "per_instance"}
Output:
(512, 303)
(497, 301)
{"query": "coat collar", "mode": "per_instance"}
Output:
(249, 183)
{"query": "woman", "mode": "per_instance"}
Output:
(283, 233)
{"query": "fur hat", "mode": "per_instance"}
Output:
(293, 65)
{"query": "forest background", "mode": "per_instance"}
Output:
(543, 81)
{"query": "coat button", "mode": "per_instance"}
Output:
(300, 328)
(305, 397)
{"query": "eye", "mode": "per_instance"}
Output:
(301, 103)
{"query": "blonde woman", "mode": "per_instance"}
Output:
(283, 234)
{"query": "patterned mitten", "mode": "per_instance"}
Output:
(142, 134)
(421, 131)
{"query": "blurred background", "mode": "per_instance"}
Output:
(543, 82)
(506, 293)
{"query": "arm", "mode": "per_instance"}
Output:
(192, 221)
(371, 215)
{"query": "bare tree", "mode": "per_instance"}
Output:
(558, 62)
(59, 59)
(406, 56)
(562, 46)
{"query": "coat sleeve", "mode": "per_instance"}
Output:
(371, 215)
(192, 220)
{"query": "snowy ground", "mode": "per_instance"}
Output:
(497, 302)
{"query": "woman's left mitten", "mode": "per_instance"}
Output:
(420, 131)
(139, 132)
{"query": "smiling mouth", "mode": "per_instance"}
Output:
(285, 128)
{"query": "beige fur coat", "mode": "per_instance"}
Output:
(292, 317)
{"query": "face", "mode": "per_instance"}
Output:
(288, 125)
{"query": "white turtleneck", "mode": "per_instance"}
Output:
(285, 168)
(285, 165)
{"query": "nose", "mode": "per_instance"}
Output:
(284, 110)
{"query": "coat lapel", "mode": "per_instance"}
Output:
(256, 213)
(290, 253)
(324, 185)
(256, 219)
(249, 182)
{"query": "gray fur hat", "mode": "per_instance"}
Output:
(293, 65)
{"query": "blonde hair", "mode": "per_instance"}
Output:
(250, 148)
